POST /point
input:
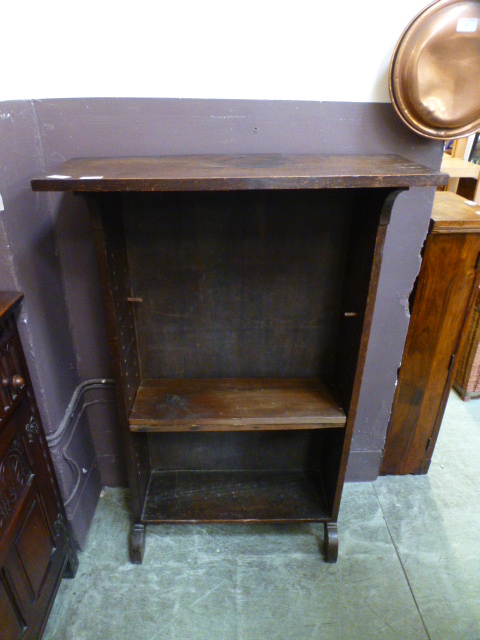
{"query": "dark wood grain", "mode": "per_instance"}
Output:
(280, 450)
(110, 244)
(364, 253)
(36, 549)
(12, 623)
(8, 301)
(237, 284)
(109, 236)
(137, 543)
(367, 239)
(234, 404)
(443, 299)
(13, 375)
(271, 273)
(237, 172)
(234, 496)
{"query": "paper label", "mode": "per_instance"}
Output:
(1, 203)
(91, 178)
(59, 177)
(471, 203)
(467, 25)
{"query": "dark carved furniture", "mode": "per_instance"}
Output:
(35, 547)
(442, 304)
(239, 293)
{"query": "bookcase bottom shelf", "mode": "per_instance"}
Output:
(189, 497)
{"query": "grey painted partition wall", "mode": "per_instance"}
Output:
(30, 262)
(47, 252)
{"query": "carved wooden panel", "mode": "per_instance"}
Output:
(14, 476)
(12, 625)
(35, 547)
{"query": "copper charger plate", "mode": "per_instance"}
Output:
(435, 71)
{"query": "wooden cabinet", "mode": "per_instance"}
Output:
(35, 547)
(442, 304)
(239, 293)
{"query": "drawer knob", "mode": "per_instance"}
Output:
(17, 382)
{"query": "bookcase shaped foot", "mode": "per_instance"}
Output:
(71, 566)
(331, 541)
(137, 543)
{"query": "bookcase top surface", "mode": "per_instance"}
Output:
(237, 172)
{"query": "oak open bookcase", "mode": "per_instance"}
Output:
(239, 293)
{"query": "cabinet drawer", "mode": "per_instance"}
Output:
(12, 375)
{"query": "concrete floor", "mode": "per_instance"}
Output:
(409, 566)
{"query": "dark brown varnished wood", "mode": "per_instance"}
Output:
(12, 370)
(137, 543)
(109, 236)
(331, 541)
(234, 404)
(240, 450)
(114, 274)
(36, 549)
(226, 280)
(237, 172)
(234, 496)
(238, 271)
(442, 304)
(367, 239)
(8, 301)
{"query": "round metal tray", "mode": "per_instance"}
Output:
(435, 70)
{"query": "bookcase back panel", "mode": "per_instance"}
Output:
(279, 450)
(237, 284)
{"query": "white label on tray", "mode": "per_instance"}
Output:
(1, 203)
(91, 178)
(471, 203)
(59, 177)
(467, 25)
